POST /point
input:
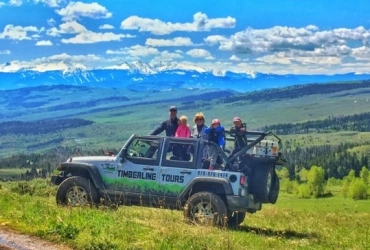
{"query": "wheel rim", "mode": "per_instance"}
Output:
(203, 213)
(269, 183)
(77, 196)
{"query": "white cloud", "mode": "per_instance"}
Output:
(280, 38)
(15, 2)
(215, 39)
(200, 53)
(75, 10)
(44, 43)
(135, 51)
(106, 27)
(200, 23)
(177, 41)
(5, 52)
(51, 22)
(72, 27)
(18, 32)
(2, 4)
(93, 37)
(167, 56)
(50, 3)
(234, 58)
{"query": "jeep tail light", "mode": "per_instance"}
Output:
(274, 150)
(242, 180)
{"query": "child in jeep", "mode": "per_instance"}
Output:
(215, 134)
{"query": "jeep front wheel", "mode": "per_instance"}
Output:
(76, 191)
(205, 208)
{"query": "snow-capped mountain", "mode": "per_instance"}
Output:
(140, 75)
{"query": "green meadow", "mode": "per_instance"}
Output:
(292, 223)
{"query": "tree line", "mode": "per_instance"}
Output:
(337, 161)
(358, 122)
(296, 91)
(42, 126)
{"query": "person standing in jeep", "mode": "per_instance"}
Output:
(215, 134)
(170, 125)
(239, 132)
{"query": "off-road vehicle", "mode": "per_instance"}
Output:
(169, 172)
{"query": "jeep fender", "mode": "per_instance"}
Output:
(83, 169)
(214, 185)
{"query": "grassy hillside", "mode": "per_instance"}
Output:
(328, 223)
(115, 119)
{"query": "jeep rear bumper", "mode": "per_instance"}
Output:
(242, 204)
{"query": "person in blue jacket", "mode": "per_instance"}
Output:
(215, 134)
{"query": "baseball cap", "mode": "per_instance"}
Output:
(235, 119)
(173, 108)
(214, 121)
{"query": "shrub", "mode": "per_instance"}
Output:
(290, 187)
(304, 191)
(358, 189)
(316, 180)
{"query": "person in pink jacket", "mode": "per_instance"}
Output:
(183, 130)
(182, 152)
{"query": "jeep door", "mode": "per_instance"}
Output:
(177, 168)
(137, 175)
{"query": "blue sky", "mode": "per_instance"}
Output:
(288, 36)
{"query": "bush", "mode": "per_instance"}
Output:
(304, 191)
(358, 189)
(290, 187)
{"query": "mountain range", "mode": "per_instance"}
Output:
(141, 75)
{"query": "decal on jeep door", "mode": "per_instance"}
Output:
(142, 185)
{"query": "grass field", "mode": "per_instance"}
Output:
(11, 172)
(328, 223)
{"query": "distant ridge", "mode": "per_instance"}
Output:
(155, 76)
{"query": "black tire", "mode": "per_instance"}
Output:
(235, 219)
(274, 193)
(205, 208)
(76, 191)
(262, 183)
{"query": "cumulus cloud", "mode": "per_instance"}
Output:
(1, 4)
(75, 10)
(15, 2)
(234, 58)
(177, 41)
(200, 53)
(201, 22)
(167, 56)
(18, 32)
(5, 52)
(50, 3)
(135, 51)
(72, 27)
(93, 37)
(51, 22)
(214, 39)
(280, 38)
(106, 27)
(44, 43)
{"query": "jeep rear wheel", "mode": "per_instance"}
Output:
(262, 183)
(76, 191)
(235, 219)
(205, 208)
(274, 193)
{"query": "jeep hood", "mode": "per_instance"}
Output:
(92, 159)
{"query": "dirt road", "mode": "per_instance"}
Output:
(10, 239)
